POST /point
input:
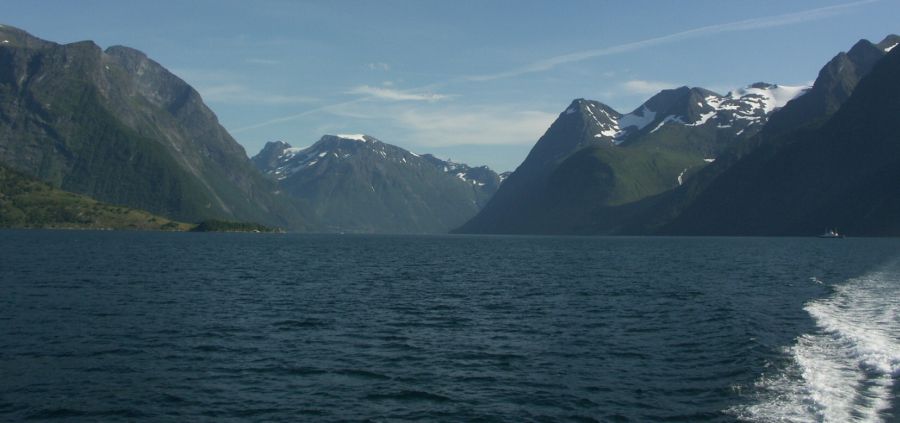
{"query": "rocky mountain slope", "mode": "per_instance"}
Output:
(593, 160)
(843, 172)
(356, 183)
(597, 171)
(117, 126)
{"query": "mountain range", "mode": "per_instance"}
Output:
(356, 183)
(595, 160)
(663, 169)
(833, 161)
(114, 126)
(118, 127)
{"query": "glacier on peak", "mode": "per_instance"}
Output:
(354, 137)
(638, 119)
(772, 96)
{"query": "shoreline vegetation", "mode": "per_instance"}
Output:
(26, 203)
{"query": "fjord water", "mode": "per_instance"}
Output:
(118, 326)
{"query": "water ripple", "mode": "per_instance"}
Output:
(236, 327)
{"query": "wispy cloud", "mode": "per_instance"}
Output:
(368, 93)
(295, 116)
(637, 86)
(378, 66)
(383, 93)
(241, 94)
(222, 86)
(744, 25)
(443, 125)
(474, 126)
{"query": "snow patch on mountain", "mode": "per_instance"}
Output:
(750, 105)
(637, 119)
(354, 137)
(291, 151)
(703, 118)
(735, 111)
(768, 97)
(888, 49)
(667, 119)
(333, 152)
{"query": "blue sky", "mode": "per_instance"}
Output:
(475, 81)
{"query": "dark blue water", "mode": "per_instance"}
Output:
(100, 326)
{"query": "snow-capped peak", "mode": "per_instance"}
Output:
(736, 111)
(354, 137)
(281, 161)
(293, 150)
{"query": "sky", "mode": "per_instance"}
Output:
(474, 81)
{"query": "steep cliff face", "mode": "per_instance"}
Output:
(119, 127)
(843, 174)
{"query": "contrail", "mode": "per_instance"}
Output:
(296, 116)
(745, 25)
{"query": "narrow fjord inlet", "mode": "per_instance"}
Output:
(344, 328)
(491, 211)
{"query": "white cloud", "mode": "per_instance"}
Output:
(378, 66)
(223, 86)
(481, 126)
(744, 25)
(435, 125)
(295, 116)
(637, 86)
(382, 93)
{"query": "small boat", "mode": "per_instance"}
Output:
(831, 233)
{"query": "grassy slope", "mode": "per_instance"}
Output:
(27, 203)
(592, 188)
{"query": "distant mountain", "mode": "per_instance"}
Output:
(842, 172)
(356, 183)
(119, 127)
(593, 161)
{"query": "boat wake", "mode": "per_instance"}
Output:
(846, 370)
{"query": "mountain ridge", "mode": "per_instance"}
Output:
(849, 175)
(619, 158)
(357, 183)
(117, 126)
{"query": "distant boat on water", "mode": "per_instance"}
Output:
(831, 233)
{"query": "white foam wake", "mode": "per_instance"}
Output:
(845, 371)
